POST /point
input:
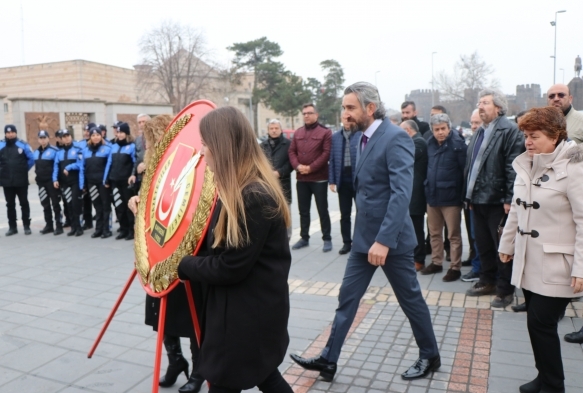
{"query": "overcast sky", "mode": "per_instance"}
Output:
(393, 37)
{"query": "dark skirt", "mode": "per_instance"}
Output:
(178, 319)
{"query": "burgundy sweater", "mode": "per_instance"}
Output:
(311, 146)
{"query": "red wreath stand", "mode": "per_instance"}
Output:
(171, 203)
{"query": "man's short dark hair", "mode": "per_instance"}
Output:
(439, 108)
(519, 115)
(310, 105)
(407, 103)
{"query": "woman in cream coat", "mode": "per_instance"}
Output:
(544, 236)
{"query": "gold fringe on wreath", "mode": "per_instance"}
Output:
(164, 272)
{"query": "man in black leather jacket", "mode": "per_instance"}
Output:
(489, 184)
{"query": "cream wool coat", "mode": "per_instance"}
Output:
(545, 264)
(575, 125)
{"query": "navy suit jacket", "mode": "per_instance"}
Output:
(383, 184)
(337, 156)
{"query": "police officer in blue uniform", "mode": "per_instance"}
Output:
(15, 161)
(68, 176)
(103, 130)
(87, 205)
(118, 171)
(95, 157)
(44, 162)
(59, 145)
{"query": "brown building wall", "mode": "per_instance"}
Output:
(36, 121)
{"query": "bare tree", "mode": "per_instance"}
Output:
(175, 64)
(470, 75)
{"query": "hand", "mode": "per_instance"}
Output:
(133, 204)
(301, 169)
(505, 258)
(307, 169)
(131, 180)
(141, 167)
(66, 172)
(377, 255)
(56, 184)
(333, 187)
(276, 173)
(577, 284)
(506, 208)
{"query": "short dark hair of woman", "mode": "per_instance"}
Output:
(549, 120)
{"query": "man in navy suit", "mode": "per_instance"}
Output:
(383, 232)
(342, 161)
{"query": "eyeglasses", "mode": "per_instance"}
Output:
(483, 103)
(561, 95)
(308, 113)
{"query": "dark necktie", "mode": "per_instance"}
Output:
(364, 141)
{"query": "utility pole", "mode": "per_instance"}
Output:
(554, 24)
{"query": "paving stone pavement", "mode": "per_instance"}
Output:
(55, 293)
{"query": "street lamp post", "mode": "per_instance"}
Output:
(432, 82)
(554, 24)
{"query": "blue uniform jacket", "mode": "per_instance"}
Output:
(44, 161)
(103, 152)
(74, 153)
(337, 156)
(26, 149)
(121, 162)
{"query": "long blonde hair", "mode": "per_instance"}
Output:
(238, 161)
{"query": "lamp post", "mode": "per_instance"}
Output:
(432, 81)
(375, 79)
(554, 24)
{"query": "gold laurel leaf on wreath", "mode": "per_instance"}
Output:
(165, 272)
(140, 246)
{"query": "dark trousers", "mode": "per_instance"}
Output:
(10, 194)
(486, 221)
(400, 272)
(468, 221)
(542, 317)
(48, 196)
(121, 196)
(320, 192)
(274, 383)
(100, 197)
(73, 203)
(419, 226)
(345, 198)
(87, 210)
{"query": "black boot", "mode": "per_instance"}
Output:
(47, 229)
(59, 230)
(195, 381)
(176, 362)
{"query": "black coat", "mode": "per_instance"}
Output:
(279, 159)
(495, 181)
(445, 170)
(424, 128)
(246, 308)
(418, 204)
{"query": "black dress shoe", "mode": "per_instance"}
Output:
(533, 386)
(422, 367)
(122, 235)
(72, 232)
(58, 231)
(345, 249)
(96, 234)
(519, 308)
(106, 234)
(327, 369)
(130, 236)
(12, 231)
(79, 232)
(575, 337)
(27, 231)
